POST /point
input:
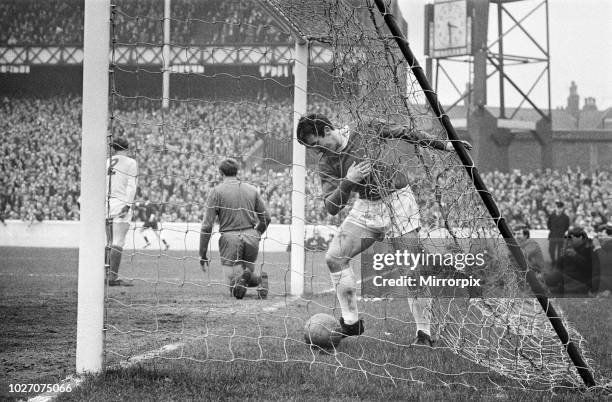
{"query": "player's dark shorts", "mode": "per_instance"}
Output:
(150, 224)
(239, 246)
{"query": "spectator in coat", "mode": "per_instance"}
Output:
(531, 248)
(558, 223)
(602, 262)
(574, 274)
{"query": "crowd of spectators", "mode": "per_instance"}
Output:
(529, 197)
(141, 22)
(178, 150)
(40, 158)
(30, 22)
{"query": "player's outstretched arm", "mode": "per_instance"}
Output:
(420, 137)
(424, 139)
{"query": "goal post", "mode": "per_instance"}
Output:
(166, 55)
(90, 310)
(298, 192)
(472, 171)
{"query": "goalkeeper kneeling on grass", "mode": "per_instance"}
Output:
(243, 218)
(364, 160)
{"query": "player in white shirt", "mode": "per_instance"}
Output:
(122, 173)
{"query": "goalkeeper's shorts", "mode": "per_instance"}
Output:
(237, 247)
(114, 212)
(392, 216)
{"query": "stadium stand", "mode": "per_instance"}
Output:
(43, 134)
(60, 22)
(41, 143)
(41, 22)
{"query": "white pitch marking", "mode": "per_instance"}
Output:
(278, 305)
(150, 355)
(71, 381)
(37, 275)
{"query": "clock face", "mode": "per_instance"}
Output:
(450, 25)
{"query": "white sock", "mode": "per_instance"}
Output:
(344, 282)
(421, 311)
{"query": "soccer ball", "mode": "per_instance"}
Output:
(322, 330)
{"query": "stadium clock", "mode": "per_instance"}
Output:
(450, 28)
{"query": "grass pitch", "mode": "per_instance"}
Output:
(222, 348)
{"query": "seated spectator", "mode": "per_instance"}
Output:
(531, 248)
(574, 274)
(602, 264)
(316, 242)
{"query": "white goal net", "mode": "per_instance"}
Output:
(231, 67)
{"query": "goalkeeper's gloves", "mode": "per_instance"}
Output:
(204, 263)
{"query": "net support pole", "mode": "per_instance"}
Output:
(536, 287)
(90, 311)
(166, 57)
(298, 193)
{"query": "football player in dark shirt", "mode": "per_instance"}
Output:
(149, 213)
(243, 219)
(363, 160)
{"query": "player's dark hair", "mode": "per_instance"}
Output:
(578, 231)
(312, 124)
(229, 167)
(524, 229)
(120, 144)
(605, 227)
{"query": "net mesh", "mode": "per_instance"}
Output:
(231, 95)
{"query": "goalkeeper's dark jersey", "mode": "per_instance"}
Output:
(238, 205)
(150, 212)
(367, 143)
